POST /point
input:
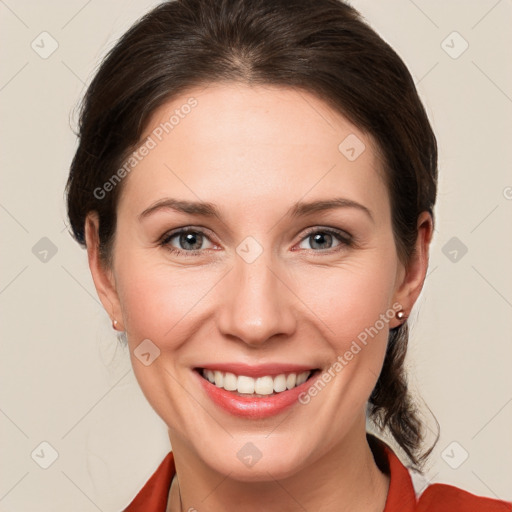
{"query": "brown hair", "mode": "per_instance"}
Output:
(319, 46)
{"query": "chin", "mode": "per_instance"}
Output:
(257, 461)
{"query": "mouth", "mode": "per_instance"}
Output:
(263, 386)
(263, 394)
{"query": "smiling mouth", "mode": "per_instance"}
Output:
(264, 386)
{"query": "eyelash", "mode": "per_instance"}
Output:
(343, 237)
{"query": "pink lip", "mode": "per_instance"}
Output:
(254, 407)
(259, 370)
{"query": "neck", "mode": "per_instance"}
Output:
(344, 479)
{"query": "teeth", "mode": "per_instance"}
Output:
(230, 382)
(279, 383)
(219, 378)
(301, 378)
(291, 380)
(245, 384)
(266, 385)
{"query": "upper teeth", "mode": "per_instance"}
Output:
(261, 385)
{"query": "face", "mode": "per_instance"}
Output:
(285, 266)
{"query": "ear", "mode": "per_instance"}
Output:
(102, 275)
(411, 278)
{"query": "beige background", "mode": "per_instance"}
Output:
(64, 382)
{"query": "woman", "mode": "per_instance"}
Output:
(255, 184)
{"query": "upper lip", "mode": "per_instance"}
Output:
(258, 370)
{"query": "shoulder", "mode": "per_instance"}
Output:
(153, 496)
(446, 498)
(407, 491)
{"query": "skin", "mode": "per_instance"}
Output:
(254, 152)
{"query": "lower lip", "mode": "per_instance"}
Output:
(254, 407)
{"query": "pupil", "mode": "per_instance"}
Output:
(190, 238)
(320, 238)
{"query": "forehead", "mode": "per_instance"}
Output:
(233, 142)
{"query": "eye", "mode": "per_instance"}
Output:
(189, 241)
(323, 239)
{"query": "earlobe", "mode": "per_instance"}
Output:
(102, 275)
(413, 278)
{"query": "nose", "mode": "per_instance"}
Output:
(257, 302)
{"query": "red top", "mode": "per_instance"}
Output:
(401, 496)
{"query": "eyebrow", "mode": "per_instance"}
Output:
(299, 209)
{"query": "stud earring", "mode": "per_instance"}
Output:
(400, 314)
(114, 324)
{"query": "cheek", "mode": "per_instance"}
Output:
(350, 298)
(158, 301)
(161, 304)
(354, 305)
(338, 308)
